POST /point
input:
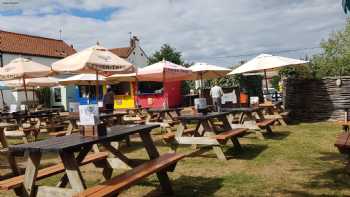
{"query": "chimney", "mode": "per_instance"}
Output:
(134, 41)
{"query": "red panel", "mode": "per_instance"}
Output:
(172, 91)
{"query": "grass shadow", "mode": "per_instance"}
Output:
(332, 156)
(248, 152)
(335, 179)
(277, 135)
(188, 186)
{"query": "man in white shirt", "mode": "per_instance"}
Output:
(216, 94)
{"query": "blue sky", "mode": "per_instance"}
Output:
(218, 32)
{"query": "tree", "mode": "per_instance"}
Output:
(168, 53)
(335, 58)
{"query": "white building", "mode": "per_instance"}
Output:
(39, 49)
(133, 54)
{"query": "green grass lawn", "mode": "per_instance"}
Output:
(299, 160)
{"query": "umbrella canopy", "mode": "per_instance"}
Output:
(206, 71)
(122, 77)
(82, 79)
(265, 62)
(90, 60)
(164, 71)
(34, 82)
(23, 68)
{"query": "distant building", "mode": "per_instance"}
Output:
(133, 54)
(39, 49)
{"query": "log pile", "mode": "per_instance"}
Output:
(315, 100)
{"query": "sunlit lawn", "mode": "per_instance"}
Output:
(300, 160)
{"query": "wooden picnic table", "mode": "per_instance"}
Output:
(250, 118)
(273, 110)
(66, 146)
(206, 132)
(162, 114)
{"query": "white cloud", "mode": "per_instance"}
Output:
(201, 29)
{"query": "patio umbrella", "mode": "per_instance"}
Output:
(266, 62)
(82, 79)
(122, 77)
(164, 71)
(34, 82)
(22, 68)
(202, 71)
(97, 60)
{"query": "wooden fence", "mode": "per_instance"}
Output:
(314, 100)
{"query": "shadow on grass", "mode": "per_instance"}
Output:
(248, 152)
(335, 179)
(303, 193)
(332, 156)
(187, 186)
(277, 135)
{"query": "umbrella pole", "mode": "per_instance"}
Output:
(201, 88)
(97, 89)
(3, 100)
(25, 89)
(267, 89)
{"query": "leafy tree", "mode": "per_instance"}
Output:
(335, 59)
(168, 53)
(274, 82)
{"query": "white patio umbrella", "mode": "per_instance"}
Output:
(22, 68)
(40, 82)
(266, 62)
(202, 71)
(34, 82)
(206, 71)
(82, 79)
(96, 59)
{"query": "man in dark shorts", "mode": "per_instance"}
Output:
(108, 100)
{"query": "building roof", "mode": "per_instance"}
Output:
(123, 52)
(11, 42)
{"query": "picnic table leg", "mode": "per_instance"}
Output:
(31, 173)
(73, 172)
(216, 148)
(3, 138)
(64, 180)
(119, 155)
(153, 153)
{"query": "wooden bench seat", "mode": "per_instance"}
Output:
(15, 182)
(58, 133)
(122, 182)
(168, 137)
(266, 124)
(224, 136)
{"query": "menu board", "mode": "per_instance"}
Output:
(88, 115)
(13, 108)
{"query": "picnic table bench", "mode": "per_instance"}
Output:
(251, 118)
(205, 132)
(163, 116)
(274, 110)
(66, 146)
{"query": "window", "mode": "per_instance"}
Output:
(122, 88)
(150, 87)
(57, 94)
(89, 91)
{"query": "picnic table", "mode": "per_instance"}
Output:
(250, 118)
(66, 146)
(273, 110)
(162, 114)
(206, 132)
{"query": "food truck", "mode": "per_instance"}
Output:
(154, 95)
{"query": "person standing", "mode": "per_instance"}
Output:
(108, 100)
(216, 93)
